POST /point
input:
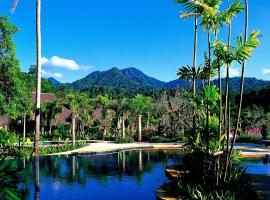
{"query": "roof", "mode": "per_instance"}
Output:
(63, 117)
(44, 97)
(4, 120)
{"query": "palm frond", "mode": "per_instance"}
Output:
(244, 50)
(14, 6)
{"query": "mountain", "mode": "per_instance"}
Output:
(54, 82)
(139, 76)
(250, 84)
(134, 80)
(113, 78)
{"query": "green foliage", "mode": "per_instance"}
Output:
(14, 94)
(61, 132)
(9, 180)
(246, 138)
(8, 141)
(45, 150)
(127, 139)
(159, 139)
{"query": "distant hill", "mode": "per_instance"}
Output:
(250, 84)
(139, 76)
(134, 80)
(114, 79)
(54, 82)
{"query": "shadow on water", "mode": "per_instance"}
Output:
(127, 174)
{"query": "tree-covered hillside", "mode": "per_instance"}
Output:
(132, 80)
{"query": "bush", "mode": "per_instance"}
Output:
(121, 140)
(8, 140)
(93, 133)
(246, 138)
(45, 150)
(160, 139)
(61, 132)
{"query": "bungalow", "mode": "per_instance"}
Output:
(63, 117)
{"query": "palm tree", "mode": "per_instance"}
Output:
(38, 87)
(243, 51)
(194, 11)
(72, 99)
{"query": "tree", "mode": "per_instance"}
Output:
(72, 100)
(38, 86)
(49, 111)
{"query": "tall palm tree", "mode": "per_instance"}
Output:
(192, 11)
(38, 87)
(72, 100)
(243, 52)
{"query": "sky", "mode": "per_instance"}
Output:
(82, 36)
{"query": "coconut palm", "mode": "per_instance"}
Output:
(243, 51)
(72, 100)
(192, 10)
(38, 87)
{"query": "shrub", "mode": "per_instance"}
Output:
(93, 133)
(246, 138)
(61, 131)
(126, 139)
(158, 138)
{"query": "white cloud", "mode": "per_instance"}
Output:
(47, 74)
(234, 72)
(56, 61)
(266, 71)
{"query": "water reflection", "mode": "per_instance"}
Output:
(134, 173)
(259, 166)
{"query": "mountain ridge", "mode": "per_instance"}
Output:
(135, 80)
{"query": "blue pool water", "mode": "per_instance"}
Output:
(257, 166)
(124, 175)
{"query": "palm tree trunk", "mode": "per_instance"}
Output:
(148, 120)
(209, 57)
(38, 88)
(209, 83)
(24, 128)
(73, 130)
(123, 126)
(194, 66)
(241, 82)
(36, 180)
(227, 117)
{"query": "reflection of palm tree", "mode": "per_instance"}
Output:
(36, 174)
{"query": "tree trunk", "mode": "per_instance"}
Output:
(139, 128)
(38, 87)
(241, 82)
(209, 83)
(73, 130)
(123, 126)
(148, 120)
(24, 128)
(194, 66)
(227, 117)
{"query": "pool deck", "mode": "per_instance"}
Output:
(109, 147)
(103, 147)
(253, 150)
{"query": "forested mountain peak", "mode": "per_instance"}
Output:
(136, 81)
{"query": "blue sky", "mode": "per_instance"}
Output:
(82, 36)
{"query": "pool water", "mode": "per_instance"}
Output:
(257, 166)
(128, 175)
